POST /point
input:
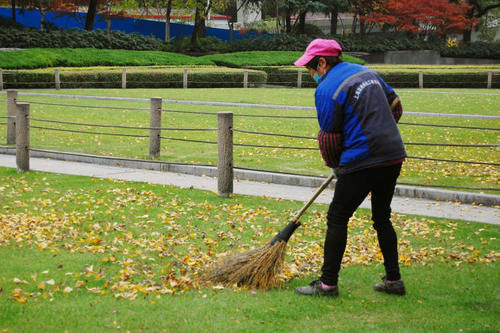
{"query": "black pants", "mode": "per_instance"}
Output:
(350, 191)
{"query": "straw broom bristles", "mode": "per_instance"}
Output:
(260, 267)
(255, 268)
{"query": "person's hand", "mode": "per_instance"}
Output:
(336, 172)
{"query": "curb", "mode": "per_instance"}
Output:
(254, 175)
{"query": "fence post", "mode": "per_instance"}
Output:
(11, 112)
(225, 154)
(299, 78)
(58, 79)
(1, 79)
(421, 80)
(22, 137)
(155, 121)
(124, 78)
(245, 79)
(185, 79)
(490, 79)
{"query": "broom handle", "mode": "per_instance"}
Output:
(318, 192)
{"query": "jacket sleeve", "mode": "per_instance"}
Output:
(393, 99)
(330, 146)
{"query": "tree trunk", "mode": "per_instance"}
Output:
(42, 19)
(277, 18)
(334, 16)
(302, 22)
(14, 11)
(202, 29)
(354, 23)
(167, 20)
(91, 13)
(194, 35)
(288, 21)
(167, 27)
(467, 36)
(362, 26)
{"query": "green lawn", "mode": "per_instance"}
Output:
(93, 255)
(274, 159)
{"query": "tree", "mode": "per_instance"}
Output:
(230, 8)
(479, 9)
(300, 8)
(161, 7)
(43, 6)
(488, 27)
(109, 9)
(425, 17)
(333, 8)
(362, 9)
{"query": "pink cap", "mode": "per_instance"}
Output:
(319, 47)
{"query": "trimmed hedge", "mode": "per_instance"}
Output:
(440, 76)
(401, 76)
(41, 58)
(263, 58)
(136, 78)
(212, 77)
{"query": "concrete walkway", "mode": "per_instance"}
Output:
(470, 213)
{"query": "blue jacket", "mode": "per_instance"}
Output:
(355, 101)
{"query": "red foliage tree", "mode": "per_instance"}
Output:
(425, 16)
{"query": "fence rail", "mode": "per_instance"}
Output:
(241, 105)
(155, 132)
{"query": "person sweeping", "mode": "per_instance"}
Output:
(358, 138)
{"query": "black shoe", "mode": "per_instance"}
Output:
(314, 289)
(396, 287)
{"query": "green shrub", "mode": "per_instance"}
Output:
(209, 77)
(379, 42)
(184, 45)
(400, 79)
(288, 77)
(40, 58)
(397, 76)
(439, 77)
(7, 23)
(458, 80)
(264, 58)
(477, 49)
(276, 43)
(16, 37)
(310, 30)
(76, 38)
(226, 80)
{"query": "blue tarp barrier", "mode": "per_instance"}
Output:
(31, 18)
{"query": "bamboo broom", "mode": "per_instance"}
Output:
(260, 267)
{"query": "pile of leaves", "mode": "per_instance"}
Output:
(146, 239)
